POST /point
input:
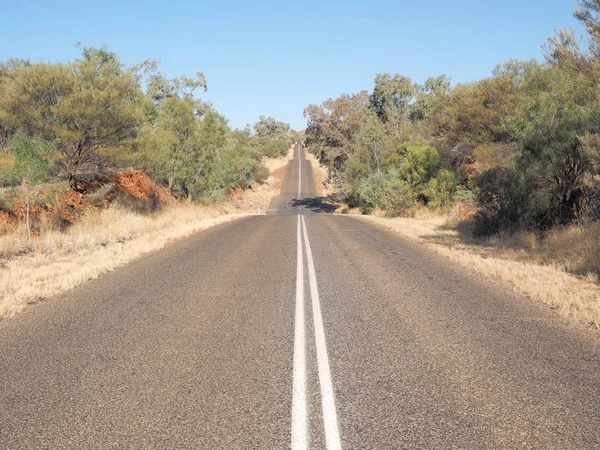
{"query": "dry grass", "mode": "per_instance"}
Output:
(319, 175)
(255, 200)
(274, 164)
(258, 198)
(577, 248)
(513, 260)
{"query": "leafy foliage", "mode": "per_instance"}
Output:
(505, 202)
(31, 160)
(88, 108)
(268, 127)
(95, 115)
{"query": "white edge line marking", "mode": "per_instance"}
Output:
(299, 435)
(332, 434)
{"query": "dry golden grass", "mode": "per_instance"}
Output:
(274, 164)
(511, 260)
(319, 175)
(577, 248)
(257, 199)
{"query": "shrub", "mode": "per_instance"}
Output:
(503, 199)
(439, 191)
(371, 189)
(577, 247)
(415, 174)
(7, 177)
(275, 148)
(396, 196)
(387, 191)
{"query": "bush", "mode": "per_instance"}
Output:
(503, 199)
(387, 191)
(415, 174)
(7, 177)
(275, 148)
(236, 170)
(7, 198)
(396, 196)
(439, 191)
(260, 173)
(371, 189)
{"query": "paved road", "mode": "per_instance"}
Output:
(291, 329)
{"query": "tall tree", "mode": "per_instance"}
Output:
(170, 142)
(334, 127)
(573, 55)
(268, 127)
(434, 89)
(556, 124)
(204, 159)
(90, 108)
(391, 99)
(473, 114)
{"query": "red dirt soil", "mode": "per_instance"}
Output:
(140, 185)
(87, 195)
(279, 174)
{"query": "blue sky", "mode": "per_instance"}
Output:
(274, 58)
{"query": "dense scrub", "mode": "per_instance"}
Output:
(522, 145)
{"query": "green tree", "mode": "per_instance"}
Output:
(580, 57)
(335, 126)
(392, 96)
(268, 127)
(413, 172)
(434, 89)
(372, 145)
(205, 156)
(91, 109)
(554, 124)
(160, 87)
(170, 143)
(473, 115)
(7, 125)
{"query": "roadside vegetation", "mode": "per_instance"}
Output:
(100, 162)
(522, 146)
(509, 161)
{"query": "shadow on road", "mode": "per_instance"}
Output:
(317, 205)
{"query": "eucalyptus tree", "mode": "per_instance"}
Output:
(90, 109)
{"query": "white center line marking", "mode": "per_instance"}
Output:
(332, 434)
(299, 146)
(299, 435)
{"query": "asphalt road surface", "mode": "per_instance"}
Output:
(295, 329)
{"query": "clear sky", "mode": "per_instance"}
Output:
(276, 57)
